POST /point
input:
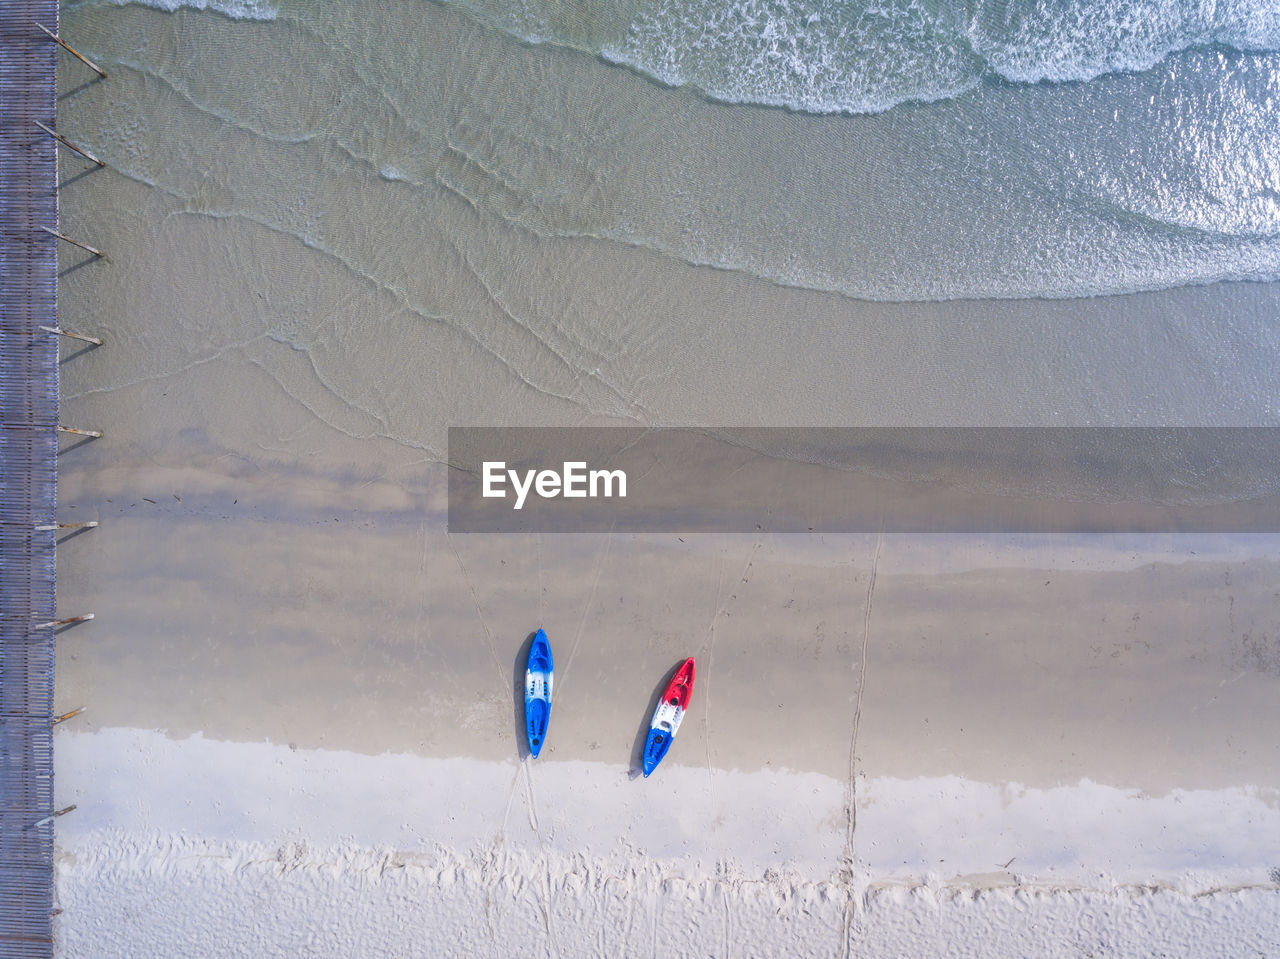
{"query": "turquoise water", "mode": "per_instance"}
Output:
(858, 57)
(899, 151)
(382, 218)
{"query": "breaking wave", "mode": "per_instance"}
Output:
(235, 9)
(820, 56)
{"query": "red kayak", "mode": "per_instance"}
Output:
(668, 715)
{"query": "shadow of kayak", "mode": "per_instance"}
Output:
(517, 697)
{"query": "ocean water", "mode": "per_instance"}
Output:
(900, 151)
(825, 57)
(372, 220)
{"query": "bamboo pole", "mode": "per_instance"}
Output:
(65, 622)
(68, 144)
(71, 50)
(83, 246)
(65, 716)
(56, 814)
(87, 524)
(67, 429)
(75, 336)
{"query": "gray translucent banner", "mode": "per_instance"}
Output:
(855, 480)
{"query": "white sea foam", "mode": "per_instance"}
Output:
(820, 57)
(235, 9)
(1080, 41)
(1007, 191)
(808, 56)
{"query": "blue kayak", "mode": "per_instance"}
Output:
(538, 677)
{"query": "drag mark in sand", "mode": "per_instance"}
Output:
(422, 631)
(857, 712)
(527, 764)
(653, 927)
(709, 644)
(475, 598)
(851, 792)
(524, 774)
(537, 545)
(497, 849)
(547, 901)
(586, 608)
(553, 946)
(727, 926)
(506, 812)
(618, 889)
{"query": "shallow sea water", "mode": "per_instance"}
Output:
(407, 217)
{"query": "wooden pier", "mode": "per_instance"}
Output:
(28, 473)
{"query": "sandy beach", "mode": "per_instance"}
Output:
(302, 734)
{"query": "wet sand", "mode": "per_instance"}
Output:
(374, 630)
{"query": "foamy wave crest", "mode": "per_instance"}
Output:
(864, 57)
(1079, 41)
(235, 9)
(812, 56)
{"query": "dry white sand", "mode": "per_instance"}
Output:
(209, 848)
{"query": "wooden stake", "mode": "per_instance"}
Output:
(65, 716)
(87, 524)
(66, 46)
(83, 246)
(49, 819)
(66, 622)
(75, 336)
(67, 429)
(68, 144)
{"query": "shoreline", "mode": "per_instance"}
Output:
(940, 831)
(539, 850)
(1149, 668)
